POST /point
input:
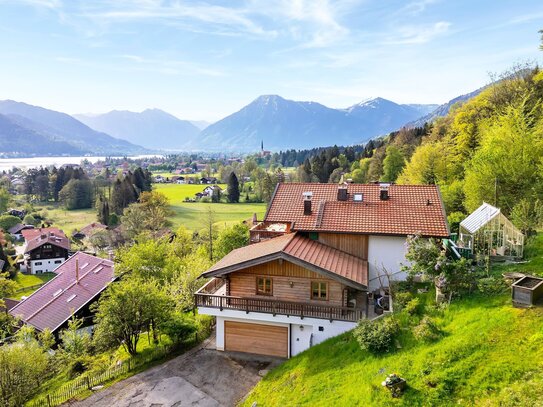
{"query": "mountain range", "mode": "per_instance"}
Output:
(152, 128)
(282, 124)
(277, 122)
(27, 129)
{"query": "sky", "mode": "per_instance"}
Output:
(204, 60)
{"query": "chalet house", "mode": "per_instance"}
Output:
(45, 249)
(208, 180)
(89, 230)
(208, 191)
(77, 284)
(17, 230)
(320, 261)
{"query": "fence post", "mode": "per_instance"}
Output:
(49, 400)
(88, 382)
(129, 368)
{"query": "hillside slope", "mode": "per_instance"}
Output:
(490, 355)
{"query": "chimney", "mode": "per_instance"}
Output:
(77, 271)
(342, 193)
(307, 202)
(255, 221)
(383, 192)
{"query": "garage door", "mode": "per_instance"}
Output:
(269, 340)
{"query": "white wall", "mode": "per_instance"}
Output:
(300, 338)
(47, 265)
(387, 251)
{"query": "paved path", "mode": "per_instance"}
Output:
(202, 377)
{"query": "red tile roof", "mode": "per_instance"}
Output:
(29, 234)
(410, 209)
(300, 250)
(92, 227)
(50, 238)
(55, 302)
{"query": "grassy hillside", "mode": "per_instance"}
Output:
(490, 354)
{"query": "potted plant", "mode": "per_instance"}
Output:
(395, 384)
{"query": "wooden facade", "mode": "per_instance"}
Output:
(357, 245)
(290, 282)
(48, 251)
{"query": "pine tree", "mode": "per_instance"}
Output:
(233, 188)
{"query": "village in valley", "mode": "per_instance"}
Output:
(290, 253)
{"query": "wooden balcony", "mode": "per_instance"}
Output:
(268, 230)
(277, 307)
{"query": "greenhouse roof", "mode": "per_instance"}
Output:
(479, 218)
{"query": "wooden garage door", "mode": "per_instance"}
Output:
(269, 340)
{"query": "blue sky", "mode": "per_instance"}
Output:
(204, 60)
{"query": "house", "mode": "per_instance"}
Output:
(76, 286)
(16, 231)
(89, 230)
(320, 261)
(208, 180)
(208, 191)
(180, 180)
(16, 212)
(45, 249)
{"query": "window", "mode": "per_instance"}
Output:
(314, 235)
(38, 263)
(58, 261)
(264, 286)
(319, 290)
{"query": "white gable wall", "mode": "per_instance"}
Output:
(388, 252)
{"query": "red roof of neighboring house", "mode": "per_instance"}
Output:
(54, 303)
(300, 250)
(410, 209)
(50, 238)
(92, 227)
(29, 234)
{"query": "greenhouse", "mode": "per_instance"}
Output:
(488, 232)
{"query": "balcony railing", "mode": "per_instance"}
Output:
(276, 307)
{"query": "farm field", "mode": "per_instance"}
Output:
(193, 214)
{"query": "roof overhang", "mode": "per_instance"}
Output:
(286, 257)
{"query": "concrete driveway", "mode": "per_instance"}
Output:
(202, 377)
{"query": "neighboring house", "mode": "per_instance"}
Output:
(208, 191)
(45, 249)
(89, 230)
(320, 261)
(180, 180)
(16, 212)
(77, 285)
(208, 180)
(17, 230)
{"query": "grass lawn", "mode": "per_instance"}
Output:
(29, 280)
(193, 214)
(490, 354)
(66, 220)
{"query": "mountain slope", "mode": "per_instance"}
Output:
(443, 110)
(283, 124)
(16, 139)
(152, 128)
(63, 127)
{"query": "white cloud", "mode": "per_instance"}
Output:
(420, 34)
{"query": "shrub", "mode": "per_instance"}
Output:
(178, 327)
(8, 221)
(414, 307)
(376, 336)
(491, 285)
(400, 300)
(426, 330)
(30, 220)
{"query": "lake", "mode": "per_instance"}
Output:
(7, 164)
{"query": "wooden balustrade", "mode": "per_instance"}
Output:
(275, 307)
